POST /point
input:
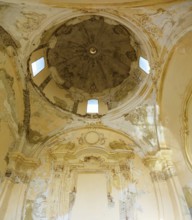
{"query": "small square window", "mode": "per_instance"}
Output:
(92, 106)
(144, 65)
(38, 65)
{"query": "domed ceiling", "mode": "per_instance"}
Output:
(92, 55)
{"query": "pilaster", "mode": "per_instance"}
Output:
(167, 187)
(15, 184)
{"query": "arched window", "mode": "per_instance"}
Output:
(38, 65)
(92, 106)
(144, 65)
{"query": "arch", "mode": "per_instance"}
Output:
(174, 94)
(92, 136)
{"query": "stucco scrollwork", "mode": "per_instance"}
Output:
(119, 145)
(138, 116)
(92, 138)
(144, 20)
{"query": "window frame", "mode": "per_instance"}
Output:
(37, 66)
(91, 105)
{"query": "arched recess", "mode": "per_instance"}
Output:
(80, 153)
(174, 101)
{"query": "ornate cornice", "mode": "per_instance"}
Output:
(160, 165)
(18, 159)
(101, 4)
(20, 167)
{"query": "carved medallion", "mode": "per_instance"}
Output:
(92, 137)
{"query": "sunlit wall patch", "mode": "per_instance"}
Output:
(92, 106)
(144, 65)
(38, 66)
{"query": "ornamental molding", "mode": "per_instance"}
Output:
(160, 165)
(20, 167)
(18, 160)
(91, 138)
(17, 177)
(93, 134)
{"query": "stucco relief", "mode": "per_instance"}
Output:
(158, 22)
(161, 165)
(92, 137)
(119, 145)
(138, 116)
(64, 147)
(142, 119)
(52, 189)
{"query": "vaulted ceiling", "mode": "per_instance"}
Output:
(141, 107)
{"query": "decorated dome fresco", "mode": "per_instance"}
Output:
(89, 57)
(92, 55)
